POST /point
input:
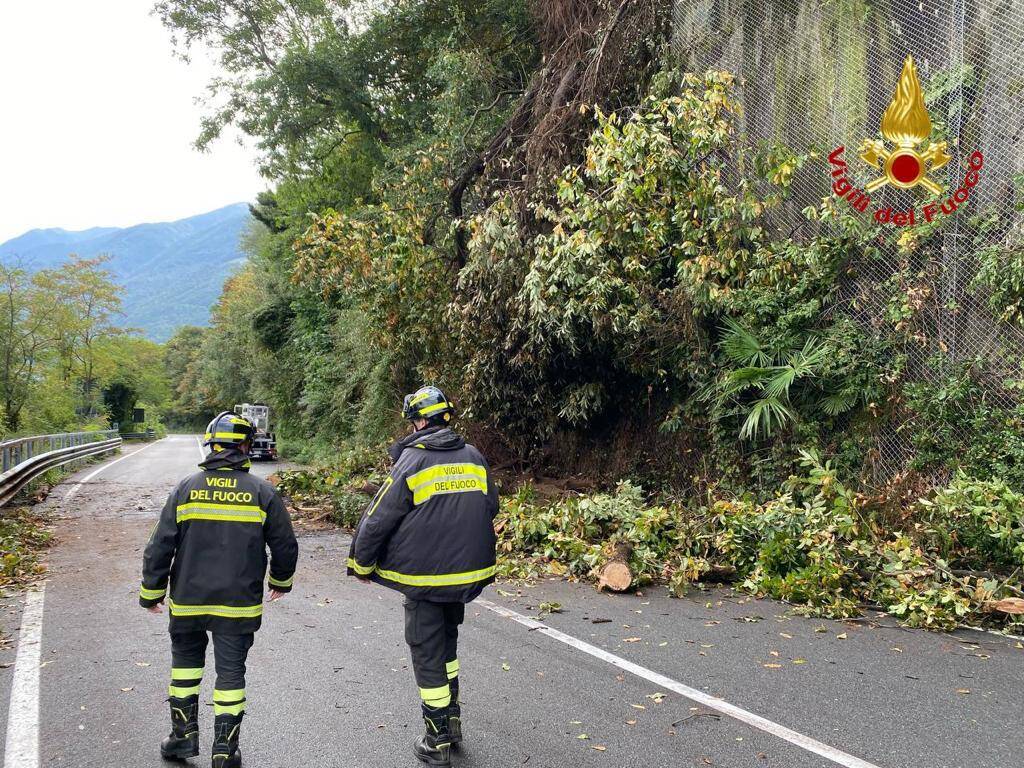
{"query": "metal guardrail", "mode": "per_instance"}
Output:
(13, 452)
(24, 459)
(149, 434)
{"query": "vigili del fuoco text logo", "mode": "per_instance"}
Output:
(902, 161)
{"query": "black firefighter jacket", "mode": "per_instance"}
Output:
(429, 531)
(211, 544)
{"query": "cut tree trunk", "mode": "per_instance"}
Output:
(615, 574)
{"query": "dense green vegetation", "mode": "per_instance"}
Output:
(65, 363)
(530, 205)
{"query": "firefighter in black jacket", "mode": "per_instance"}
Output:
(210, 544)
(429, 533)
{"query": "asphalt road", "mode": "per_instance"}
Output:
(329, 682)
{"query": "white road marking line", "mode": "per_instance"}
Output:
(77, 485)
(202, 453)
(709, 701)
(22, 747)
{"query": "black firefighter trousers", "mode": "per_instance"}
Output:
(432, 632)
(188, 657)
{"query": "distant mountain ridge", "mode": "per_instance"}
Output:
(172, 272)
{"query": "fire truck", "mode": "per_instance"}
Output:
(264, 444)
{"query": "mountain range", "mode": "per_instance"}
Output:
(172, 272)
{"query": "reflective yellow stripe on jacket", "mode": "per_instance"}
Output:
(205, 510)
(425, 580)
(362, 570)
(152, 594)
(446, 478)
(438, 579)
(224, 611)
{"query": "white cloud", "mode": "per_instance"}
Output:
(97, 120)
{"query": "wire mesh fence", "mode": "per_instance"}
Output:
(819, 75)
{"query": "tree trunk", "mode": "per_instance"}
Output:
(615, 574)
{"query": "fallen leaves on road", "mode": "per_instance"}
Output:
(545, 609)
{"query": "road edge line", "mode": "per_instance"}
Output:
(21, 750)
(77, 485)
(711, 702)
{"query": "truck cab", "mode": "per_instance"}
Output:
(264, 444)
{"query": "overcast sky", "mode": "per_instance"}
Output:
(97, 120)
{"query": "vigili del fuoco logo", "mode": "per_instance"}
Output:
(902, 161)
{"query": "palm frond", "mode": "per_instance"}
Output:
(809, 358)
(766, 415)
(742, 347)
(839, 402)
(733, 383)
(781, 380)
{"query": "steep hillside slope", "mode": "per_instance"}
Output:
(172, 271)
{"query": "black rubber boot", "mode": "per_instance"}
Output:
(433, 748)
(455, 714)
(226, 730)
(183, 741)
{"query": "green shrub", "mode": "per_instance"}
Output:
(341, 485)
(817, 545)
(977, 524)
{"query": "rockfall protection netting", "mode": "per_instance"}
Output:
(819, 74)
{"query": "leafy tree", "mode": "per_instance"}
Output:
(24, 339)
(182, 360)
(303, 75)
(131, 370)
(86, 305)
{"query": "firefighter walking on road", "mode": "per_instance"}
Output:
(207, 559)
(429, 533)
